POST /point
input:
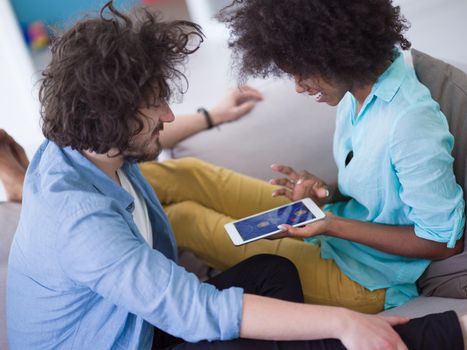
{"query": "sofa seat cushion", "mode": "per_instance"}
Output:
(422, 306)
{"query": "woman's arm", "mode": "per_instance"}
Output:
(399, 240)
(273, 319)
(235, 104)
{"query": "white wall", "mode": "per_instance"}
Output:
(19, 109)
(438, 27)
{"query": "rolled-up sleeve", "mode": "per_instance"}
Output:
(99, 251)
(420, 151)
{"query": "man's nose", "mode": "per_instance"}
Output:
(167, 117)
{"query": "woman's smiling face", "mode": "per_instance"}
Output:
(322, 90)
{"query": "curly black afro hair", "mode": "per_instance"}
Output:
(339, 40)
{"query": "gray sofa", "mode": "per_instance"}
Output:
(292, 129)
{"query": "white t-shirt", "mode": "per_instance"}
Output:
(140, 214)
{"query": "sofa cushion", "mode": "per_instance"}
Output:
(448, 86)
(9, 216)
(422, 306)
(285, 128)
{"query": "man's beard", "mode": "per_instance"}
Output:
(144, 155)
(149, 150)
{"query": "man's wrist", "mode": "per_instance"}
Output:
(341, 319)
(217, 117)
(207, 116)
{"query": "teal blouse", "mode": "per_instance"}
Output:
(401, 173)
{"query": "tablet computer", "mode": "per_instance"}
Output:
(265, 224)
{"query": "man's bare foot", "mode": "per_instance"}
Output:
(13, 165)
(463, 322)
(18, 152)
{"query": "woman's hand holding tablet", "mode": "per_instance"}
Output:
(266, 224)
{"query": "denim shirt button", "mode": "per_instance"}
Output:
(131, 207)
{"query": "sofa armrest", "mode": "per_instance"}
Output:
(9, 216)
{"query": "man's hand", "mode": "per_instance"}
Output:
(296, 186)
(235, 104)
(273, 319)
(365, 332)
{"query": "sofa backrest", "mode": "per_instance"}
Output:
(9, 216)
(286, 128)
(448, 86)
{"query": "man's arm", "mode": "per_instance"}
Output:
(272, 319)
(235, 104)
(97, 249)
(182, 127)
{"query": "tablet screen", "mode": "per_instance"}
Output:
(266, 223)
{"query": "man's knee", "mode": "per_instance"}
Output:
(179, 166)
(183, 211)
(279, 277)
(190, 164)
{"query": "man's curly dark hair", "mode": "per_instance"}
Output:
(104, 70)
(340, 40)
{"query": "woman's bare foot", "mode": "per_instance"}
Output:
(13, 165)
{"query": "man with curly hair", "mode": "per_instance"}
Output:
(396, 205)
(93, 262)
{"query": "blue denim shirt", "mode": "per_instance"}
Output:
(401, 173)
(81, 276)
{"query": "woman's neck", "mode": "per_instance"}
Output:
(361, 92)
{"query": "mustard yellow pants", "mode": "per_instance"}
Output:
(199, 198)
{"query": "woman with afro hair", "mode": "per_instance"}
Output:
(396, 206)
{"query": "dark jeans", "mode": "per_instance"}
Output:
(277, 277)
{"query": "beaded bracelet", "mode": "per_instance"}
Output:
(207, 116)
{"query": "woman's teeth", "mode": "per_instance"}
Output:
(318, 95)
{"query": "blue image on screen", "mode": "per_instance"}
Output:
(267, 222)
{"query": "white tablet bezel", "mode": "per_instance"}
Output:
(238, 240)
